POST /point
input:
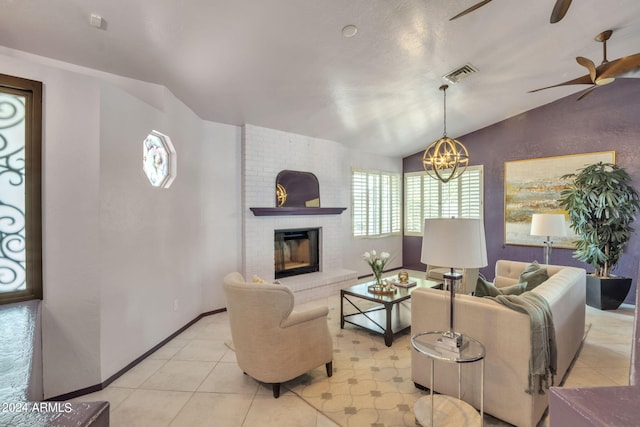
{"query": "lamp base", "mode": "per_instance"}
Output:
(451, 341)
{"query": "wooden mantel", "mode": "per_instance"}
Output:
(296, 211)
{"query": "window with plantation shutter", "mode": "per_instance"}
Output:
(426, 197)
(359, 206)
(375, 203)
(412, 211)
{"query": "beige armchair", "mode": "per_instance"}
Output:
(273, 343)
(469, 277)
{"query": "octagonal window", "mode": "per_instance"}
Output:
(159, 159)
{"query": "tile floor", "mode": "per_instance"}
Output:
(194, 380)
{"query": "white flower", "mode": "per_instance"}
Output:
(376, 262)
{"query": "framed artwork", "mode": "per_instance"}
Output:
(534, 186)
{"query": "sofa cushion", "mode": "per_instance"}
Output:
(534, 275)
(485, 288)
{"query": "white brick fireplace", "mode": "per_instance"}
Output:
(266, 152)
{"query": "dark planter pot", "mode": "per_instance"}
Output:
(607, 293)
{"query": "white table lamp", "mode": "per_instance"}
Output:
(453, 242)
(548, 225)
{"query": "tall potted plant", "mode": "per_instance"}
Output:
(601, 205)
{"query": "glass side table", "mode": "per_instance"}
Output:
(451, 411)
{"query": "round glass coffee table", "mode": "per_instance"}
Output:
(448, 410)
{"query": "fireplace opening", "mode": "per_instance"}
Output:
(296, 251)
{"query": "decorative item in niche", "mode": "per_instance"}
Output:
(296, 189)
(281, 195)
(534, 186)
(159, 159)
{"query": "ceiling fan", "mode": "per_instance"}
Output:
(559, 10)
(604, 73)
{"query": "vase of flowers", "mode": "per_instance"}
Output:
(377, 263)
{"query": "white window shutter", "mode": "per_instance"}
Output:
(376, 203)
(413, 204)
(426, 197)
(359, 203)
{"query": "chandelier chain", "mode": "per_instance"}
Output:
(444, 89)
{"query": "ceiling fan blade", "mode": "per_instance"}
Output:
(584, 80)
(559, 10)
(587, 92)
(589, 65)
(471, 9)
(617, 67)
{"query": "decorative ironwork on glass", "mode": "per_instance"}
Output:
(12, 193)
(159, 159)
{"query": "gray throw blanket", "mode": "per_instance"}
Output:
(544, 357)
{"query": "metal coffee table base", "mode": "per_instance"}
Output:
(389, 315)
(381, 319)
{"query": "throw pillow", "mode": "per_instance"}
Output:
(485, 288)
(534, 275)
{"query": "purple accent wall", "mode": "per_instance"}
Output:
(608, 119)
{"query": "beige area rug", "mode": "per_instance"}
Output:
(371, 383)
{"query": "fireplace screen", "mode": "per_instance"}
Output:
(296, 252)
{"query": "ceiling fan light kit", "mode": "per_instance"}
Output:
(603, 74)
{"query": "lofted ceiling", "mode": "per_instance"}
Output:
(285, 64)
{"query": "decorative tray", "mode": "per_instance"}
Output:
(381, 290)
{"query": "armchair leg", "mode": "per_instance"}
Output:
(276, 390)
(329, 367)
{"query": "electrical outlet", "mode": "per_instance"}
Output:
(175, 305)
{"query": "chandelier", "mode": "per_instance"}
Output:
(446, 158)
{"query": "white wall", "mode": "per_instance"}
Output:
(118, 252)
(152, 239)
(162, 247)
(222, 218)
(71, 247)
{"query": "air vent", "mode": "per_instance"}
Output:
(460, 73)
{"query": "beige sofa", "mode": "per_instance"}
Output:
(273, 342)
(505, 334)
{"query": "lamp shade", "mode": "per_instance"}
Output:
(454, 242)
(548, 225)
